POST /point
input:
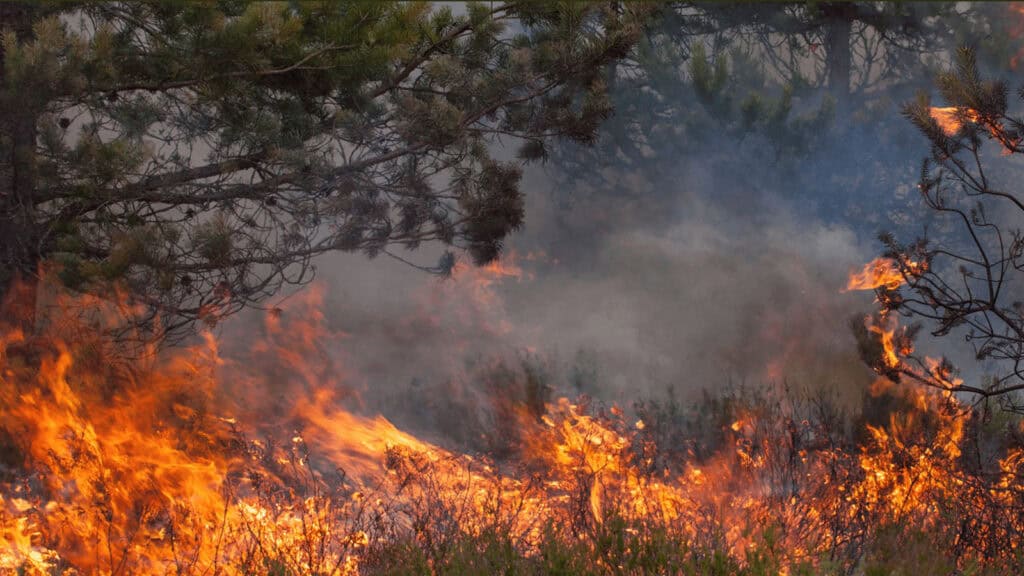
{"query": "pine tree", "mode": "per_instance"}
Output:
(780, 90)
(200, 154)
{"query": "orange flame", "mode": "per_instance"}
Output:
(884, 272)
(887, 337)
(950, 120)
(215, 460)
(942, 373)
(876, 274)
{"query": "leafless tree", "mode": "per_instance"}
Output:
(963, 276)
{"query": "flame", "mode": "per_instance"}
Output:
(230, 459)
(951, 120)
(942, 373)
(884, 272)
(880, 272)
(476, 291)
(887, 337)
(492, 272)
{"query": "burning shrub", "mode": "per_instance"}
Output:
(189, 462)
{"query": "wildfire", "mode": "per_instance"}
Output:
(942, 373)
(252, 461)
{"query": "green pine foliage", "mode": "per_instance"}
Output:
(202, 153)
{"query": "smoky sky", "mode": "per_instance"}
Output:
(724, 266)
(710, 296)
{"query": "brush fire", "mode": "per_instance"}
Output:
(526, 288)
(180, 462)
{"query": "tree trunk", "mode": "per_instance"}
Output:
(838, 30)
(19, 238)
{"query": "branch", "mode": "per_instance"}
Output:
(418, 61)
(185, 83)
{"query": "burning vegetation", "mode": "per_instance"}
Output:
(186, 461)
(369, 127)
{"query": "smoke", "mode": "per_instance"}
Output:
(710, 299)
(723, 267)
(701, 286)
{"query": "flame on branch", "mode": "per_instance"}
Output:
(880, 272)
(887, 337)
(951, 119)
(896, 342)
